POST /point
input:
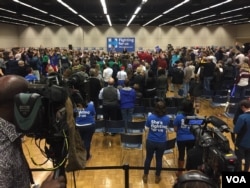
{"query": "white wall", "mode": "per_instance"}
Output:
(9, 36)
(146, 37)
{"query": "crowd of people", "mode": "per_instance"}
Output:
(118, 81)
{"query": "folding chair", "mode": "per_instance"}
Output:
(148, 102)
(135, 126)
(170, 149)
(115, 126)
(100, 126)
(131, 142)
(218, 101)
(99, 113)
(139, 113)
(222, 92)
(171, 113)
(230, 111)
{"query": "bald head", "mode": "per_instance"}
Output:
(10, 86)
(111, 81)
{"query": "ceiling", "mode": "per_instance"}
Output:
(120, 12)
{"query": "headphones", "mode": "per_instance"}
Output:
(194, 175)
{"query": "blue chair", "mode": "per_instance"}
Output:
(139, 112)
(131, 142)
(115, 126)
(100, 126)
(170, 149)
(135, 126)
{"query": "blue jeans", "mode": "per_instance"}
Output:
(86, 133)
(151, 148)
(127, 114)
(207, 83)
(185, 89)
(240, 91)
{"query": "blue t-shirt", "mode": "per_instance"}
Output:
(157, 128)
(242, 128)
(86, 116)
(183, 130)
(30, 77)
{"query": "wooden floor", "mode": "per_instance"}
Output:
(106, 151)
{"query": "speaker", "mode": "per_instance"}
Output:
(70, 47)
(194, 176)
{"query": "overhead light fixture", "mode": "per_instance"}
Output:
(27, 5)
(40, 19)
(109, 21)
(131, 19)
(217, 20)
(219, 4)
(176, 6)
(174, 20)
(153, 20)
(104, 6)
(210, 7)
(86, 20)
(63, 20)
(229, 21)
(9, 18)
(6, 10)
(196, 20)
(13, 23)
(137, 10)
(233, 10)
(241, 22)
(105, 11)
(67, 6)
(167, 11)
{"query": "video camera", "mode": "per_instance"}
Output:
(216, 153)
(40, 112)
(80, 82)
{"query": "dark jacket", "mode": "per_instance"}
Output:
(177, 75)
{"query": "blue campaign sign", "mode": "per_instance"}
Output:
(118, 44)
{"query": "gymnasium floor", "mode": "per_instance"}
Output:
(106, 151)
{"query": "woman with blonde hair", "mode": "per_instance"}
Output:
(242, 79)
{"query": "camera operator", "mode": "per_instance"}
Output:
(14, 169)
(242, 129)
(185, 139)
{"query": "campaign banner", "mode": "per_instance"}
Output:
(116, 44)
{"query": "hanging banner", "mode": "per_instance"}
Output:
(119, 44)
